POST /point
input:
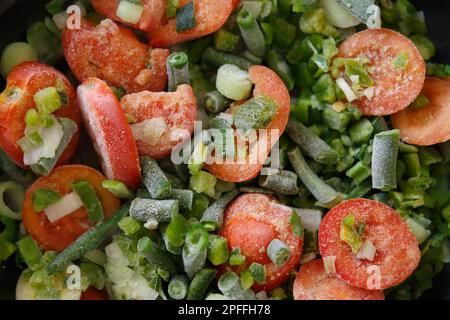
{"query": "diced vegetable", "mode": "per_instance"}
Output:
(149, 209)
(185, 17)
(90, 200)
(154, 179)
(256, 113)
(118, 188)
(31, 253)
(384, 160)
(278, 252)
(282, 182)
(233, 82)
(130, 10)
(14, 54)
(63, 207)
(213, 216)
(200, 283)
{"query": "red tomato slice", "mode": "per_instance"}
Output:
(397, 252)
(394, 89)
(94, 294)
(430, 124)
(210, 16)
(22, 83)
(113, 54)
(178, 110)
(251, 222)
(313, 283)
(59, 235)
(109, 131)
(267, 83)
(150, 19)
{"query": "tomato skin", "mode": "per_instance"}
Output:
(267, 83)
(313, 283)
(94, 294)
(110, 132)
(397, 251)
(59, 235)
(178, 109)
(113, 53)
(394, 89)
(430, 124)
(210, 16)
(251, 222)
(30, 77)
(151, 18)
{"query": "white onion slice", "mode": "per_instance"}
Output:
(129, 11)
(310, 218)
(149, 131)
(65, 206)
(345, 87)
(367, 251)
(329, 264)
(51, 138)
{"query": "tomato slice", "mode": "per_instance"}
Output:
(430, 124)
(178, 110)
(397, 252)
(18, 97)
(251, 222)
(151, 17)
(313, 283)
(395, 89)
(109, 131)
(94, 294)
(59, 235)
(210, 16)
(113, 54)
(267, 83)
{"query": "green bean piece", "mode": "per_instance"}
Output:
(282, 182)
(303, 75)
(258, 272)
(178, 287)
(201, 203)
(359, 172)
(413, 166)
(256, 113)
(216, 59)
(278, 252)
(200, 283)
(175, 232)
(230, 285)
(251, 57)
(214, 214)
(407, 148)
(379, 124)
(215, 102)
(129, 226)
(321, 191)
(336, 120)
(251, 33)
(118, 188)
(384, 160)
(87, 242)
(31, 253)
(217, 250)
(90, 200)
(157, 210)
(177, 69)
(195, 249)
(45, 44)
(225, 40)
(310, 143)
(280, 66)
(154, 179)
(283, 32)
(184, 197)
(156, 256)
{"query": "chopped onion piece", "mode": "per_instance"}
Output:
(367, 251)
(329, 264)
(233, 82)
(129, 11)
(354, 79)
(149, 131)
(65, 206)
(369, 92)
(348, 91)
(151, 224)
(51, 139)
(310, 218)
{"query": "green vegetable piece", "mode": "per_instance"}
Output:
(225, 41)
(278, 252)
(185, 198)
(354, 67)
(315, 21)
(201, 203)
(401, 61)
(296, 224)
(195, 249)
(325, 89)
(361, 131)
(178, 287)
(217, 250)
(185, 17)
(256, 113)
(46, 46)
(14, 54)
(276, 62)
(425, 45)
(283, 32)
(47, 100)
(156, 256)
(87, 242)
(246, 279)
(171, 8)
(118, 188)
(359, 172)
(176, 231)
(92, 275)
(216, 59)
(200, 283)
(421, 101)
(384, 160)
(154, 179)
(214, 214)
(31, 253)
(42, 198)
(236, 258)
(251, 33)
(282, 182)
(350, 232)
(129, 226)
(90, 200)
(156, 210)
(203, 182)
(258, 272)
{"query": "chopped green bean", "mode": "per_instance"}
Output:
(200, 283)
